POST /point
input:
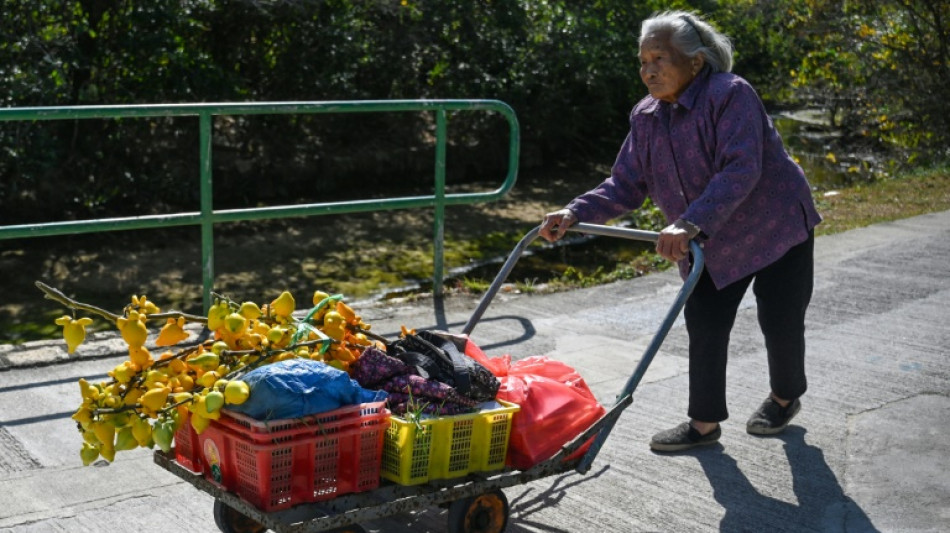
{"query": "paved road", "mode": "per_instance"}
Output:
(869, 451)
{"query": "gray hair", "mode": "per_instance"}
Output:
(692, 36)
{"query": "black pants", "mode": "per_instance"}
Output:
(782, 292)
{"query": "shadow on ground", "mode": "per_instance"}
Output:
(822, 503)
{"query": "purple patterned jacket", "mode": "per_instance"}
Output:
(713, 158)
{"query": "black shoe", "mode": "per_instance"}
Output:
(771, 418)
(683, 437)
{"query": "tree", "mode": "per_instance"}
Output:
(569, 69)
(880, 67)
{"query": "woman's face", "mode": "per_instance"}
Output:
(666, 71)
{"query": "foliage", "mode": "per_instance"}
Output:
(567, 68)
(648, 217)
(879, 67)
(765, 50)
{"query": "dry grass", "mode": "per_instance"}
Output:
(892, 199)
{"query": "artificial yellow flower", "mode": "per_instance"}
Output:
(172, 332)
(74, 330)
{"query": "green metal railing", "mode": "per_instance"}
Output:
(207, 217)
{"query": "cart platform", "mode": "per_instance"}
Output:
(476, 501)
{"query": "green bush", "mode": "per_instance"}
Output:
(569, 69)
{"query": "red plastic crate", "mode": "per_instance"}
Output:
(342, 457)
(280, 430)
(188, 450)
(187, 447)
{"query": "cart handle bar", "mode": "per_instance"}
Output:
(658, 338)
(580, 227)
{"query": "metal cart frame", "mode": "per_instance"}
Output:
(460, 494)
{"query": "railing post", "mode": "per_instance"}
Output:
(207, 217)
(207, 209)
(438, 258)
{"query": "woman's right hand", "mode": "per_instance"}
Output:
(555, 224)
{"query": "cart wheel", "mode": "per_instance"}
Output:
(487, 513)
(230, 520)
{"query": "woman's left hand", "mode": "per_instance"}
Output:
(673, 242)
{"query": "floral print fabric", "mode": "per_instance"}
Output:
(713, 158)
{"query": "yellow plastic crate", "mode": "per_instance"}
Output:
(446, 447)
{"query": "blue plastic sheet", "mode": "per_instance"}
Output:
(300, 387)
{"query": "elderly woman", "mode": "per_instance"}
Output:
(703, 148)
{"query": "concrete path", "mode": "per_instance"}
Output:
(869, 451)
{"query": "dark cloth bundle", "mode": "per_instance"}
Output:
(437, 357)
(408, 391)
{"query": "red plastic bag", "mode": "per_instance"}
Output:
(556, 405)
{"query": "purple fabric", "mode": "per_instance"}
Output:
(427, 389)
(375, 367)
(378, 370)
(714, 159)
(400, 404)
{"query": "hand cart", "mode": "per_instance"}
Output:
(475, 502)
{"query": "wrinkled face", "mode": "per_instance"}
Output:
(666, 71)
